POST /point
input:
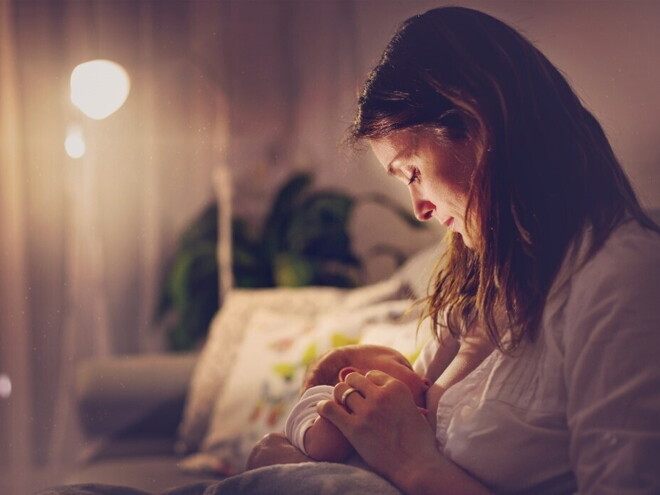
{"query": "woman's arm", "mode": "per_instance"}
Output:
(386, 429)
(611, 367)
(472, 351)
(446, 350)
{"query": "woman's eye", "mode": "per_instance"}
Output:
(414, 176)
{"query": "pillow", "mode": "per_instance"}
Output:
(408, 337)
(262, 386)
(265, 380)
(417, 271)
(224, 338)
(229, 326)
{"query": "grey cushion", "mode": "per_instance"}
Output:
(117, 392)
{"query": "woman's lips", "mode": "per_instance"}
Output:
(449, 222)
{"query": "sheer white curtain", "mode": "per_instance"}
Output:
(15, 432)
(84, 241)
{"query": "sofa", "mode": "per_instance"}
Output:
(183, 424)
(157, 422)
(129, 409)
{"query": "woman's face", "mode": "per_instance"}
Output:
(437, 175)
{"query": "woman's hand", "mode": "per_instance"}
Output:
(274, 448)
(386, 428)
(382, 422)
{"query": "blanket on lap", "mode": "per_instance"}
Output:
(319, 478)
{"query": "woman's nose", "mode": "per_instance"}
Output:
(423, 208)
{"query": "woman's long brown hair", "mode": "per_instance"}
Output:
(545, 171)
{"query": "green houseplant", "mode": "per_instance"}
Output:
(304, 240)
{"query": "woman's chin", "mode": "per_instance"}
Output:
(467, 242)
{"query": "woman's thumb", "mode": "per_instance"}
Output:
(333, 412)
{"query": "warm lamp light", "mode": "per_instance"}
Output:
(74, 144)
(99, 88)
(5, 386)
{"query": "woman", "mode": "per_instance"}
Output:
(549, 252)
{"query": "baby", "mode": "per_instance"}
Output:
(315, 436)
(320, 440)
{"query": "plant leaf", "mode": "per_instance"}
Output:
(323, 215)
(292, 270)
(203, 228)
(285, 204)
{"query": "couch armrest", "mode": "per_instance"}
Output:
(140, 395)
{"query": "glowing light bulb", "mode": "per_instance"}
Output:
(99, 88)
(74, 144)
(5, 386)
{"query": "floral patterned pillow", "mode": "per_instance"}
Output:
(225, 336)
(263, 385)
(265, 381)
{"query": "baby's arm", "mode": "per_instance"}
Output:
(324, 442)
(316, 437)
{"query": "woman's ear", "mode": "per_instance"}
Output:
(344, 372)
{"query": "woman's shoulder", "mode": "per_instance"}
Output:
(618, 287)
(609, 362)
(629, 256)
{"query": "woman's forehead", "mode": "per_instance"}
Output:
(396, 141)
(394, 146)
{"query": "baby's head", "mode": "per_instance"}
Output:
(335, 365)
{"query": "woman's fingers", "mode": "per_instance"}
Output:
(344, 392)
(335, 413)
(379, 416)
(365, 383)
(357, 380)
(378, 377)
(356, 387)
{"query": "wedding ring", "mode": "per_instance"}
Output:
(345, 395)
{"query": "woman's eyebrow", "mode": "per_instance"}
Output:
(391, 168)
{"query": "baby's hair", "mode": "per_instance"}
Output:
(326, 370)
